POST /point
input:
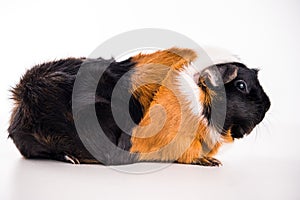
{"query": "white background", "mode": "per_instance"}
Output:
(265, 34)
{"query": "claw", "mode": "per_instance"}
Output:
(72, 159)
(216, 162)
(207, 161)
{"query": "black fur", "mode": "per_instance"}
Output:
(42, 124)
(244, 110)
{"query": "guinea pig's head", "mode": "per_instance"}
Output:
(246, 102)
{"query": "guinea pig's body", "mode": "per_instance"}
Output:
(171, 104)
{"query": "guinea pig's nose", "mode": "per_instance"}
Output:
(267, 104)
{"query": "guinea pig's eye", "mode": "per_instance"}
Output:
(241, 85)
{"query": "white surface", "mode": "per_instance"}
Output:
(264, 165)
(258, 178)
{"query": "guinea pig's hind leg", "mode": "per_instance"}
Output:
(65, 157)
(71, 159)
(206, 161)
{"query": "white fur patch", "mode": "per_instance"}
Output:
(214, 135)
(190, 89)
(189, 77)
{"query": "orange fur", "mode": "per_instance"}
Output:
(169, 130)
(178, 127)
(174, 57)
(206, 94)
(152, 69)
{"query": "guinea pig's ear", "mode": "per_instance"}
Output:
(218, 75)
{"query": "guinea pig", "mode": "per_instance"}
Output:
(177, 111)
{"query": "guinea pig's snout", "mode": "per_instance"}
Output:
(265, 106)
(268, 104)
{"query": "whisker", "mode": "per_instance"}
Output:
(256, 133)
(266, 126)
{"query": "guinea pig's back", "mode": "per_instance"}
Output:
(41, 124)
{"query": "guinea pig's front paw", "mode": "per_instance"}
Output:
(207, 161)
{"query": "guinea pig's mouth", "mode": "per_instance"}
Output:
(237, 131)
